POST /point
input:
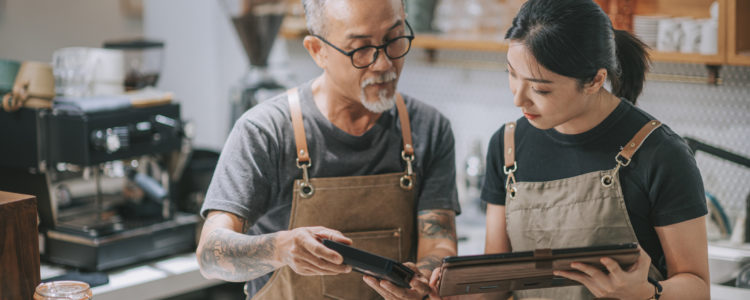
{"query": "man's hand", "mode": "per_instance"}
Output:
(301, 249)
(419, 286)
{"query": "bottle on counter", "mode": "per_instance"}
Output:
(474, 172)
(56, 290)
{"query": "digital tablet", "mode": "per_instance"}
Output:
(373, 264)
(513, 271)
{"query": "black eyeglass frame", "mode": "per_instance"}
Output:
(384, 46)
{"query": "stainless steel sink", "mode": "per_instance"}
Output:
(725, 260)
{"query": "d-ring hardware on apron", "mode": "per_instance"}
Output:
(303, 158)
(626, 154)
(406, 182)
(306, 189)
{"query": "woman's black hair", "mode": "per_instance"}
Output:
(575, 38)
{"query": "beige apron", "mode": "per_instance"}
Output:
(584, 210)
(376, 211)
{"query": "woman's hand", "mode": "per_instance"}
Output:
(420, 287)
(435, 278)
(618, 284)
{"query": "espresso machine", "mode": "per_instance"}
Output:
(103, 182)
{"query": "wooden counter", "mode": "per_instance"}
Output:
(19, 246)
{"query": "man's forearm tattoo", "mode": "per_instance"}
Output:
(233, 256)
(437, 225)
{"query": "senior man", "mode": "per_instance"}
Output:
(342, 157)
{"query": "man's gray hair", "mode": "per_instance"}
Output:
(315, 16)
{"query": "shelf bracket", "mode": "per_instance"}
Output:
(712, 78)
(713, 74)
(431, 55)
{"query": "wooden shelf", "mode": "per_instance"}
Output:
(676, 8)
(658, 56)
(492, 43)
(293, 28)
(486, 43)
(741, 58)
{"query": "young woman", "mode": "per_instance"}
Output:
(586, 167)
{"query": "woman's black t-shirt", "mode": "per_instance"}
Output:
(661, 186)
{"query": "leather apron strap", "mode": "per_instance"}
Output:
(303, 156)
(635, 143)
(626, 153)
(403, 117)
(509, 144)
(510, 166)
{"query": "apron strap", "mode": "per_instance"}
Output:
(403, 116)
(623, 156)
(303, 155)
(626, 154)
(300, 140)
(510, 166)
(510, 146)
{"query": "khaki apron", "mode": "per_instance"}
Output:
(376, 211)
(584, 210)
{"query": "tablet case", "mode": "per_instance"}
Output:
(373, 264)
(513, 271)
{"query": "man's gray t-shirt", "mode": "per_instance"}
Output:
(257, 168)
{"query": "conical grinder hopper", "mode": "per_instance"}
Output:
(257, 23)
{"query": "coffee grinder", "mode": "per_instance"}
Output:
(257, 23)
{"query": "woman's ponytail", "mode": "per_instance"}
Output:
(633, 62)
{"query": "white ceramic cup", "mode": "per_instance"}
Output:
(668, 36)
(110, 65)
(709, 43)
(714, 10)
(691, 35)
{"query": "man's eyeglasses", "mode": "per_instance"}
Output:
(364, 57)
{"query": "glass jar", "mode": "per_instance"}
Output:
(59, 290)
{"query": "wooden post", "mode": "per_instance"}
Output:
(19, 246)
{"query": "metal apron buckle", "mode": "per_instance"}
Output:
(306, 189)
(407, 181)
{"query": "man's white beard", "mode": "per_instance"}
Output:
(384, 102)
